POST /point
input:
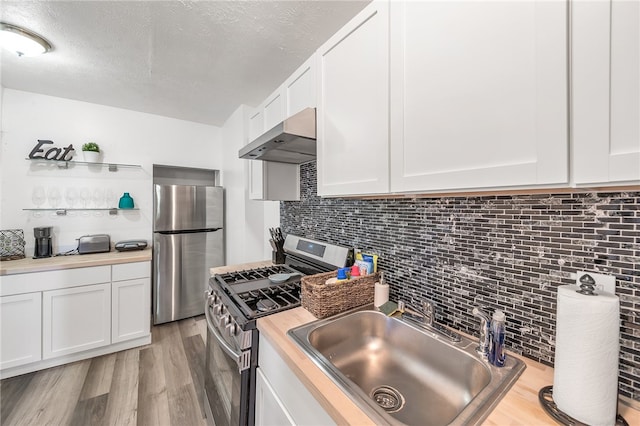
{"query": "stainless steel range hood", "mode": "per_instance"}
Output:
(291, 141)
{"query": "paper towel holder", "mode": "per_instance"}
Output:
(587, 285)
(545, 396)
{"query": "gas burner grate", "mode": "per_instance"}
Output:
(253, 274)
(271, 299)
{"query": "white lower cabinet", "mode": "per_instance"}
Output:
(281, 398)
(55, 317)
(130, 308)
(130, 301)
(269, 409)
(20, 329)
(76, 319)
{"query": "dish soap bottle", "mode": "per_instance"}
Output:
(496, 351)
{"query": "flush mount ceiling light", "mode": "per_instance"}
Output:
(21, 41)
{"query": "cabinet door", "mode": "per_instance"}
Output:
(130, 309)
(293, 398)
(479, 94)
(271, 181)
(20, 325)
(300, 88)
(269, 409)
(76, 319)
(606, 91)
(274, 110)
(280, 181)
(353, 106)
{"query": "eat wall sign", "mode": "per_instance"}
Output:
(43, 151)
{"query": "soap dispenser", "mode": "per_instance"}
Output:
(496, 351)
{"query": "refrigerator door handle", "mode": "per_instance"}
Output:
(188, 231)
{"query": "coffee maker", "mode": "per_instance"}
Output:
(43, 247)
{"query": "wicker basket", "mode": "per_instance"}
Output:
(11, 244)
(324, 300)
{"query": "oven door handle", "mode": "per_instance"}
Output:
(241, 358)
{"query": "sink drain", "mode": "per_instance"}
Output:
(388, 398)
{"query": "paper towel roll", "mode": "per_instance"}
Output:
(585, 379)
(381, 294)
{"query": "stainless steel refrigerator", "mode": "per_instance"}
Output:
(188, 239)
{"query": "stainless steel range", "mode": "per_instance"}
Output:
(234, 301)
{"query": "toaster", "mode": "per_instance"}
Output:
(99, 243)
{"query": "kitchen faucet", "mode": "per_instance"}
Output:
(485, 336)
(425, 318)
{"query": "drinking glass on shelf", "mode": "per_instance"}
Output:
(85, 196)
(71, 196)
(98, 197)
(54, 197)
(38, 196)
(110, 198)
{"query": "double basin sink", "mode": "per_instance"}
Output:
(400, 373)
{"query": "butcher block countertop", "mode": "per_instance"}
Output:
(519, 407)
(27, 265)
(234, 268)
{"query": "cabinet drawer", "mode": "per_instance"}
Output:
(52, 280)
(131, 271)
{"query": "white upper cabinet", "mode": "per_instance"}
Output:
(256, 124)
(274, 110)
(353, 106)
(300, 88)
(478, 95)
(606, 92)
(271, 180)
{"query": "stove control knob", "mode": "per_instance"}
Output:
(224, 320)
(217, 309)
(213, 298)
(232, 328)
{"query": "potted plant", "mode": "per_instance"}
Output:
(91, 152)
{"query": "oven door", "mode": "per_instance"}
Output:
(229, 389)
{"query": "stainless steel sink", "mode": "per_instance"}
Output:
(401, 374)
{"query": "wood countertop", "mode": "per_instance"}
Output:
(28, 265)
(519, 407)
(233, 268)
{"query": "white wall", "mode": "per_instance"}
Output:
(125, 137)
(245, 221)
(233, 182)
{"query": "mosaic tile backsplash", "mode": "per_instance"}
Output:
(499, 251)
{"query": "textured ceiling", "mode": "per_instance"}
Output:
(194, 61)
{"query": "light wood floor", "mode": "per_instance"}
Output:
(158, 384)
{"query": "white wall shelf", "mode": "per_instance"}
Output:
(63, 211)
(112, 167)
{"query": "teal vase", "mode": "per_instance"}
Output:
(126, 202)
